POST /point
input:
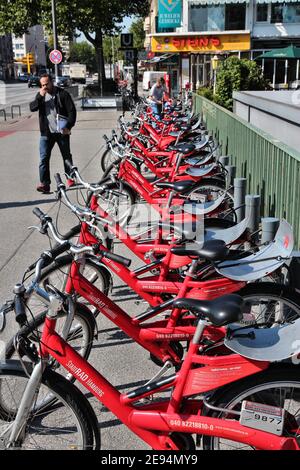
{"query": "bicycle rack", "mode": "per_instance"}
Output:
(4, 113)
(239, 185)
(12, 109)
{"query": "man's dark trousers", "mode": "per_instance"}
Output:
(46, 145)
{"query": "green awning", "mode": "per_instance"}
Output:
(290, 52)
(216, 2)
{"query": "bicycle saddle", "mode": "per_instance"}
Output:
(220, 312)
(179, 186)
(212, 250)
(182, 148)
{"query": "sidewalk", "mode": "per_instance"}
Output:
(123, 362)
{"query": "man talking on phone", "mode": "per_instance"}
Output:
(57, 116)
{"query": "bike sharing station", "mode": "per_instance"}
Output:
(214, 275)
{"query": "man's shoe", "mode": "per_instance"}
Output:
(43, 188)
(70, 182)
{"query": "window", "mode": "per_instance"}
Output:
(277, 13)
(235, 17)
(217, 17)
(285, 13)
(262, 12)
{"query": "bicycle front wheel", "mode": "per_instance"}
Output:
(66, 426)
(277, 387)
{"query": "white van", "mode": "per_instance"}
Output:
(149, 79)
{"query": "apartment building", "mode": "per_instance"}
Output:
(218, 28)
(34, 43)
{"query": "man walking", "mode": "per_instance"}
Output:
(57, 115)
(157, 96)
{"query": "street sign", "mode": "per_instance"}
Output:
(127, 40)
(129, 55)
(55, 56)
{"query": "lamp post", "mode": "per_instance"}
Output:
(214, 65)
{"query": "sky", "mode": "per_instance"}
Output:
(125, 25)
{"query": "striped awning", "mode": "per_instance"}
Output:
(216, 2)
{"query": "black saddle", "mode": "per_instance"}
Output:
(212, 250)
(179, 186)
(182, 148)
(220, 312)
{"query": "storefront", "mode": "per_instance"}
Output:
(195, 51)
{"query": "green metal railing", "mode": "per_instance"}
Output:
(272, 168)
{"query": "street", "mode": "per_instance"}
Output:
(16, 93)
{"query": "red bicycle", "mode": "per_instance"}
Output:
(248, 403)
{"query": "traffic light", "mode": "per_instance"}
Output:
(28, 59)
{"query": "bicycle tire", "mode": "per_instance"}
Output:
(61, 267)
(85, 327)
(106, 159)
(68, 398)
(260, 386)
(272, 292)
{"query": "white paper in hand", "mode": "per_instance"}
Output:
(62, 122)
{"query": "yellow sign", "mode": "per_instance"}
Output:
(204, 43)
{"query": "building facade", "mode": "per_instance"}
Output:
(6, 58)
(34, 43)
(218, 28)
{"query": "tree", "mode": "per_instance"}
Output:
(83, 53)
(137, 29)
(237, 74)
(94, 18)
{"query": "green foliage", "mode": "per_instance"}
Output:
(111, 48)
(237, 74)
(206, 93)
(137, 28)
(83, 53)
(94, 18)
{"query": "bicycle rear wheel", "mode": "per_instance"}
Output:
(277, 387)
(69, 425)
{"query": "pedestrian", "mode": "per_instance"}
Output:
(157, 96)
(57, 116)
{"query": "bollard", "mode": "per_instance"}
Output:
(253, 213)
(224, 160)
(231, 171)
(239, 197)
(269, 226)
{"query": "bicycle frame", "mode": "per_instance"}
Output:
(154, 422)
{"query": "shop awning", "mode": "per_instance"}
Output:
(290, 52)
(160, 58)
(216, 2)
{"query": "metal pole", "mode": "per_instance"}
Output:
(274, 73)
(224, 160)
(297, 70)
(113, 56)
(230, 175)
(253, 213)
(239, 198)
(286, 72)
(55, 41)
(135, 65)
(269, 226)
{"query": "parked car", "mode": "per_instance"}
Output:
(63, 81)
(23, 77)
(33, 80)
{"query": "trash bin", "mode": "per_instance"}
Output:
(119, 101)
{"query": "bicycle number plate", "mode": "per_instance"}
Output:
(263, 417)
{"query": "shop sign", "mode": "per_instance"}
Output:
(201, 43)
(169, 13)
